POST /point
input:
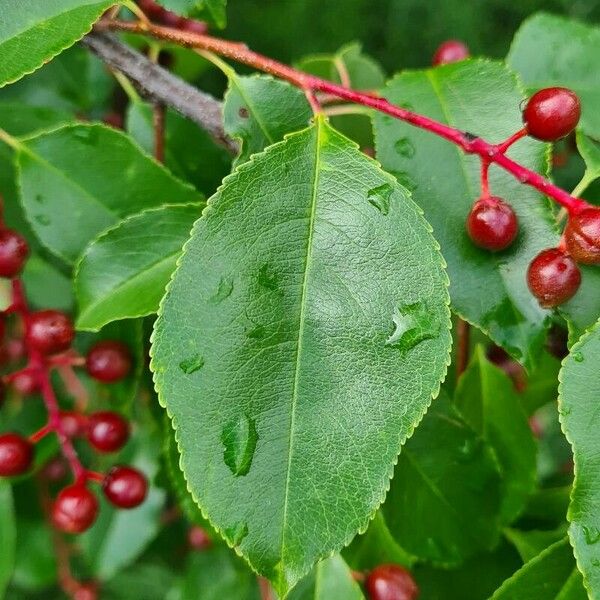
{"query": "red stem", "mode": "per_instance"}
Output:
(241, 53)
(485, 183)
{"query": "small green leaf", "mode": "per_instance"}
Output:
(212, 11)
(486, 398)
(287, 289)
(79, 180)
(330, 579)
(260, 110)
(549, 50)
(579, 391)
(443, 505)
(530, 543)
(8, 535)
(551, 575)
(34, 32)
(123, 272)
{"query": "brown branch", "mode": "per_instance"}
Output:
(161, 87)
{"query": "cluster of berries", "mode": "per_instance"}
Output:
(161, 15)
(48, 334)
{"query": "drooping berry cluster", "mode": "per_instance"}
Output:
(46, 344)
(161, 15)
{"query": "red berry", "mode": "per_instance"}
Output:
(552, 113)
(151, 9)
(108, 361)
(553, 277)
(492, 224)
(25, 383)
(391, 582)
(15, 349)
(449, 52)
(170, 19)
(55, 470)
(49, 331)
(198, 538)
(125, 487)
(192, 26)
(107, 431)
(86, 591)
(16, 454)
(13, 253)
(582, 236)
(73, 423)
(75, 509)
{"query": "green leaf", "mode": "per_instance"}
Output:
(443, 505)
(549, 50)
(216, 574)
(46, 286)
(318, 335)
(33, 32)
(123, 272)
(79, 180)
(487, 399)
(146, 580)
(578, 403)
(530, 543)
(8, 535)
(331, 579)
(550, 575)
(35, 567)
(212, 11)
(190, 153)
(20, 119)
(259, 110)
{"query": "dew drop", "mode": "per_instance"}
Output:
(243, 112)
(564, 410)
(267, 278)
(39, 199)
(578, 357)
(223, 290)
(192, 364)
(405, 147)
(413, 324)
(42, 219)
(379, 197)
(591, 534)
(237, 533)
(87, 135)
(239, 437)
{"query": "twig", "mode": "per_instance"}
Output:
(463, 339)
(158, 124)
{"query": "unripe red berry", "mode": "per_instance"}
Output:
(75, 509)
(552, 113)
(125, 487)
(582, 236)
(16, 454)
(25, 383)
(391, 582)
(449, 52)
(108, 361)
(553, 277)
(492, 224)
(49, 331)
(198, 539)
(13, 253)
(73, 424)
(107, 431)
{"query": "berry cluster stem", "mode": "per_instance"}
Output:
(470, 144)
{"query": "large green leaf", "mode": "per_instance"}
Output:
(33, 32)
(550, 50)
(551, 575)
(487, 289)
(260, 110)
(331, 579)
(578, 407)
(78, 180)
(303, 335)
(443, 505)
(486, 397)
(8, 535)
(123, 272)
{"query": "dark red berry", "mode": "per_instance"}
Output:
(107, 431)
(582, 236)
(114, 120)
(170, 19)
(15, 349)
(449, 52)
(108, 361)
(86, 591)
(492, 224)
(552, 113)
(198, 538)
(391, 582)
(73, 423)
(25, 383)
(49, 331)
(16, 454)
(553, 277)
(151, 9)
(192, 26)
(125, 487)
(55, 470)
(557, 341)
(75, 509)
(13, 253)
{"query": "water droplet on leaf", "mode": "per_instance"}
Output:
(243, 112)
(405, 147)
(591, 534)
(379, 197)
(239, 437)
(192, 364)
(39, 199)
(564, 410)
(578, 357)
(237, 533)
(42, 219)
(413, 324)
(223, 290)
